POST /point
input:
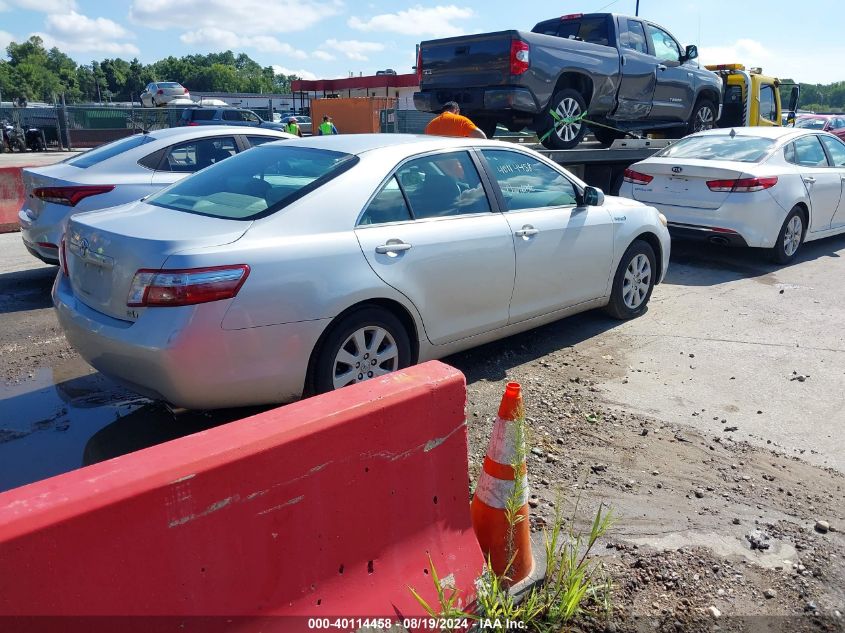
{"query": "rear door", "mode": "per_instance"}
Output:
(836, 154)
(431, 234)
(638, 67)
(563, 251)
(822, 181)
(674, 92)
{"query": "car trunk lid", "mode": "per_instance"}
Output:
(104, 249)
(685, 185)
(59, 175)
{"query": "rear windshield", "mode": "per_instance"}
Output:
(812, 124)
(104, 152)
(593, 30)
(168, 84)
(254, 184)
(745, 149)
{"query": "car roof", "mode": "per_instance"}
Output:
(760, 132)
(361, 143)
(176, 133)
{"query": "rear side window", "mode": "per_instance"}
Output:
(255, 141)
(745, 149)
(633, 37)
(201, 115)
(256, 183)
(388, 206)
(527, 183)
(807, 152)
(109, 150)
(198, 154)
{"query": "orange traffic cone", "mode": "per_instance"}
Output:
(499, 540)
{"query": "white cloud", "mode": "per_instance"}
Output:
(418, 20)
(42, 6)
(743, 51)
(212, 38)
(302, 74)
(6, 38)
(250, 17)
(323, 55)
(74, 32)
(355, 49)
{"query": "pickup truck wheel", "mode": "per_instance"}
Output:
(703, 117)
(568, 104)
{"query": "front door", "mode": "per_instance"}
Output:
(674, 93)
(431, 234)
(563, 251)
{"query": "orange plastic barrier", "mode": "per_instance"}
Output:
(326, 508)
(11, 198)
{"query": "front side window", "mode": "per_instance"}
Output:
(198, 154)
(443, 185)
(527, 183)
(256, 183)
(807, 152)
(255, 141)
(665, 47)
(768, 109)
(836, 149)
(231, 115)
(745, 149)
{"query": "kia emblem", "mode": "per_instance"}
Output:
(677, 170)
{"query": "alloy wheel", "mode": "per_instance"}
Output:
(704, 119)
(367, 353)
(792, 236)
(637, 281)
(568, 109)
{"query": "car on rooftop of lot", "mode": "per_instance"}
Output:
(766, 187)
(308, 265)
(119, 172)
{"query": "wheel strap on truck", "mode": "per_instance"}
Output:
(560, 121)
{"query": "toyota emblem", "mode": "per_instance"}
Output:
(677, 170)
(83, 247)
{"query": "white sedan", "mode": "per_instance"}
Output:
(772, 188)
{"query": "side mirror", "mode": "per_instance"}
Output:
(593, 197)
(793, 99)
(691, 52)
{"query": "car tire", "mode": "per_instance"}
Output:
(790, 237)
(633, 282)
(605, 136)
(703, 116)
(567, 103)
(364, 324)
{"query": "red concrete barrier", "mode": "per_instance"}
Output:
(328, 507)
(11, 197)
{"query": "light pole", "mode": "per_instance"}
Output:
(637, 10)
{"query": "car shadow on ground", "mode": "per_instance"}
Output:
(26, 289)
(700, 264)
(493, 360)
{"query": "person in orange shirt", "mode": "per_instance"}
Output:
(450, 123)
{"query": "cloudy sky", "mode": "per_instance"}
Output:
(331, 38)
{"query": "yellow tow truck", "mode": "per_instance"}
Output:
(751, 98)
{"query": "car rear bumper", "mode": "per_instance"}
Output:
(479, 101)
(693, 232)
(183, 356)
(42, 241)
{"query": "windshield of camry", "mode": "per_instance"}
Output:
(745, 149)
(254, 183)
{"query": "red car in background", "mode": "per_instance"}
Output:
(833, 123)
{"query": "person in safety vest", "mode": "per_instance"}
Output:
(292, 127)
(451, 123)
(327, 127)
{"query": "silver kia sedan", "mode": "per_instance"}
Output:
(119, 172)
(304, 266)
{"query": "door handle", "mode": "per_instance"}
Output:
(661, 67)
(526, 231)
(393, 246)
(808, 179)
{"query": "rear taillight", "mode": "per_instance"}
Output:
(636, 178)
(419, 66)
(520, 57)
(743, 185)
(160, 91)
(193, 123)
(70, 196)
(63, 257)
(186, 287)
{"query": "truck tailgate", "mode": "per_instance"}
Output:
(468, 61)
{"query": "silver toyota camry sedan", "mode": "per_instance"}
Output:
(304, 266)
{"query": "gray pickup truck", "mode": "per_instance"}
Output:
(614, 70)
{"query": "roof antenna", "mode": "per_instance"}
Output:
(733, 133)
